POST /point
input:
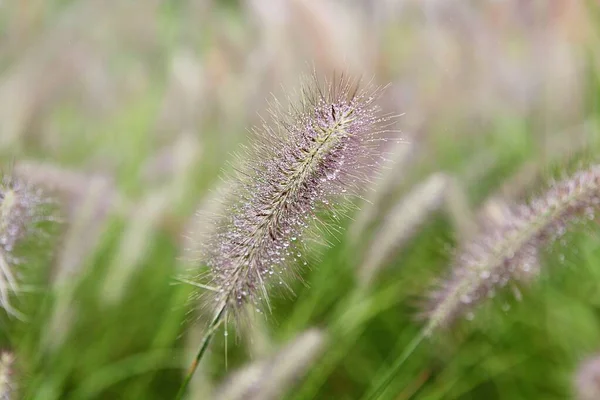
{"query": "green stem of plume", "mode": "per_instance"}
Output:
(201, 350)
(379, 388)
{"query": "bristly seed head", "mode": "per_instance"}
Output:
(507, 250)
(325, 146)
(21, 209)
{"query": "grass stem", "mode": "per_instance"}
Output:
(380, 387)
(214, 325)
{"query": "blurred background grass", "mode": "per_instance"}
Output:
(129, 110)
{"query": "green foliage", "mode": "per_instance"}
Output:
(78, 342)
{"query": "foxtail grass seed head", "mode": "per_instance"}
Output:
(322, 147)
(507, 250)
(22, 208)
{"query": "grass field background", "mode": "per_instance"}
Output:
(127, 112)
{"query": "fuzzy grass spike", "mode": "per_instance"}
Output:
(321, 148)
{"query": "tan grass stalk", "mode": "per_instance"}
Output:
(7, 388)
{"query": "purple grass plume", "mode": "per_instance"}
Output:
(22, 208)
(507, 249)
(310, 153)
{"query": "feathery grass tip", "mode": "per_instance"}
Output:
(21, 209)
(507, 249)
(322, 147)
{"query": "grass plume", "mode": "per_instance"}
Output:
(271, 377)
(318, 149)
(401, 223)
(507, 249)
(22, 208)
